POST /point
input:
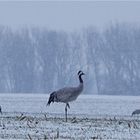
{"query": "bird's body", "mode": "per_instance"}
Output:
(67, 94)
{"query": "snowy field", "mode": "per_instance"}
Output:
(90, 117)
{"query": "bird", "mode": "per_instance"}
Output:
(136, 112)
(67, 94)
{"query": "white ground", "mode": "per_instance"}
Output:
(90, 117)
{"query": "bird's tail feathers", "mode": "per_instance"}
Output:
(51, 98)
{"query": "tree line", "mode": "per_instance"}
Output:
(39, 60)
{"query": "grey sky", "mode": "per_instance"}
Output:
(68, 15)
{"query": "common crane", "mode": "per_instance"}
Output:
(67, 94)
(136, 112)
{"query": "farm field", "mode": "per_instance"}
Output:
(25, 116)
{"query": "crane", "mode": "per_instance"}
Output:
(67, 94)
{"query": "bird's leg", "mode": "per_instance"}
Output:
(67, 105)
(66, 112)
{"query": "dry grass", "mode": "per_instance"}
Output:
(30, 127)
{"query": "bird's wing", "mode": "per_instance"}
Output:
(64, 94)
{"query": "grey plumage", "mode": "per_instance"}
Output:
(67, 94)
(136, 112)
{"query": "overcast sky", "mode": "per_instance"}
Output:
(68, 15)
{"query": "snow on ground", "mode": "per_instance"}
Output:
(25, 116)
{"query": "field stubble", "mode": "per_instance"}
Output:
(45, 126)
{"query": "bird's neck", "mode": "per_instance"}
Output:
(80, 79)
(80, 87)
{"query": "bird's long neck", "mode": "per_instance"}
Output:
(80, 79)
(81, 85)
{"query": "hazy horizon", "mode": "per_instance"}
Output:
(68, 16)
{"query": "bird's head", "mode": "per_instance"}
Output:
(80, 73)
